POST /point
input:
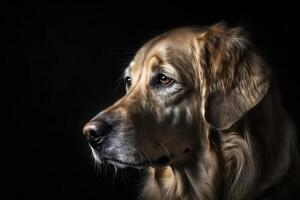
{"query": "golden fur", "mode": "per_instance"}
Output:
(220, 126)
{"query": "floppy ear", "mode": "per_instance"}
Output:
(238, 79)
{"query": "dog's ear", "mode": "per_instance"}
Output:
(237, 77)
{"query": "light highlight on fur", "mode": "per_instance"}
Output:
(218, 132)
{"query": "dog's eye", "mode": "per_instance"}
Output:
(128, 81)
(164, 80)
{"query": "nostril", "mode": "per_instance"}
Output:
(93, 133)
(96, 129)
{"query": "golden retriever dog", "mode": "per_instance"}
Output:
(202, 115)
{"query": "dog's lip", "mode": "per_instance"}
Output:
(160, 162)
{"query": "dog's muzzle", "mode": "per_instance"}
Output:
(99, 134)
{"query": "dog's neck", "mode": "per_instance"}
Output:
(229, 169)
(178, 183)
(185, 182)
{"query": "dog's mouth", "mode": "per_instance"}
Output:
(160, 162)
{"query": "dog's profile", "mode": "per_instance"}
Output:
(202, 113)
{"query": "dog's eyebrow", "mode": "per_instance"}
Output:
(131, 64)
(126, 72)
(169, 70)
(128, 69)
(155, 62)
(158, 65)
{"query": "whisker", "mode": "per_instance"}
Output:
(114, 173)
(141, 157)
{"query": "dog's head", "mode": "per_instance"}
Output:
(179, 86)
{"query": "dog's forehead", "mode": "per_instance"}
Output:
(159, 48)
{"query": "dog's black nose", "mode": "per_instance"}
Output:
(96, 129)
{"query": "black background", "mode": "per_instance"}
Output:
(63, 64)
